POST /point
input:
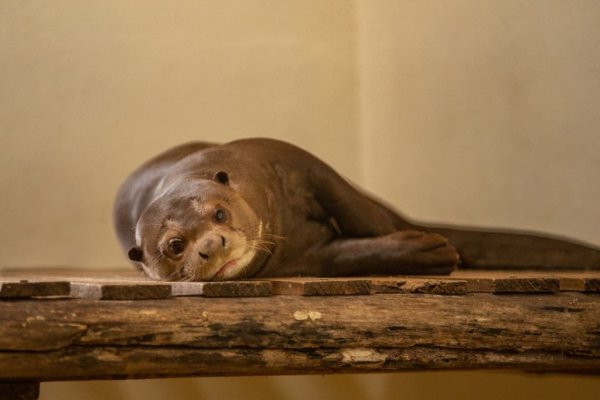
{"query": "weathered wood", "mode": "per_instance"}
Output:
(31, 333)
(381, 285)
(527, 285)
(83, 339)
(222, 289)
(129, 363)
(485, 281)
(25, 288)
(321, 286)
(477, 281)
(483, 285)
(402, 325)
(434, 286)
(591, 285)
(572, 285)
(19, 390)
(113, 290)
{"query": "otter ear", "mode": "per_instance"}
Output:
(135, 254)
(222, 177)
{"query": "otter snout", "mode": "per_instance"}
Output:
(210, 244)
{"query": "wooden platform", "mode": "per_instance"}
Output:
(79, 325)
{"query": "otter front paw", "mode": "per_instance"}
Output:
(430, 252)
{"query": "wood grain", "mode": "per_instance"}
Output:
(114, 290)
(85, 339)
(19, 390)
(222, 289)
(381, 285)
(435, 286)
(527, 285)
(591, 285)
(321, 286)
(24, 288)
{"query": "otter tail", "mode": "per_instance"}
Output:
(481, 249)
(506, 249)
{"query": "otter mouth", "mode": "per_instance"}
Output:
(233, 268)
(225, 268)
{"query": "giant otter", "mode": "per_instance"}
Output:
(265, 208)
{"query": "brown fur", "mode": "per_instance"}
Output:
(287, 213)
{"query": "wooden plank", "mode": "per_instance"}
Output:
(120, 291)
(592, 285)
(25, 288)
(19, 390)
(222, 289)
(435, 286)
(321, 286)
(293, 334)
(503, 274)
(569, 284)
(527, 285)
(484, 285)
(388, 285)
(569, 281)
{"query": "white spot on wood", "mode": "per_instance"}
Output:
(300, 315)
(351, 356)
(314, 315)
(303, 315)
(110, 357)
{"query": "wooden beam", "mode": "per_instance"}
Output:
(185, 336)
(19, 390)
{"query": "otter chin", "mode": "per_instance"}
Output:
(259, 208)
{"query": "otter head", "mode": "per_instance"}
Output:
(198, 230)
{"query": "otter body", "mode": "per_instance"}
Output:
(265, 208)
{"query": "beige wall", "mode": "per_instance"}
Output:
(484, 112)
(471, 111)
(88, 91)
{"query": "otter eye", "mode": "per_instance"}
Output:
(176, 246)
(220, 215)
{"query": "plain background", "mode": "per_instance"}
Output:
(475, 112)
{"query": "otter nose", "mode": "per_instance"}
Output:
(210, 245)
